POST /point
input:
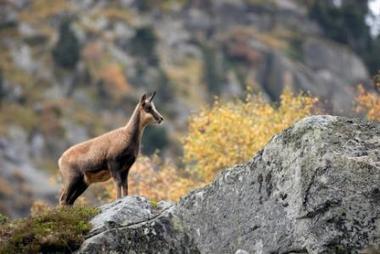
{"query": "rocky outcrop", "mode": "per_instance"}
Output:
(315, 188)
(133, 225)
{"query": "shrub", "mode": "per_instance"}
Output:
(154, 139)
(66, 52)
(229, 133)
(159, 180)
(54, 230)
(143, 44)
(369, 103)
(3, 219)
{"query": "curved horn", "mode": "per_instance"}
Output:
(151, 98)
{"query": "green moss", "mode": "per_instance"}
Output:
(54, 230)
(154, 204)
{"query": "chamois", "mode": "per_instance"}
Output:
(109, 155)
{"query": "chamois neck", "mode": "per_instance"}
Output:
(135, 126)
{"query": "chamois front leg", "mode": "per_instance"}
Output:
(124, 189)
(118, 187)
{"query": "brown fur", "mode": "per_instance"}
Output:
(109, 155)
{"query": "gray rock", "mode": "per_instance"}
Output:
(315, 188)
(22, 57)
(132, 225)
(327, 71)
(22, 182)
(324, 55)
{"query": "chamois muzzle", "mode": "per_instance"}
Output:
(159, 119)
(156, 115)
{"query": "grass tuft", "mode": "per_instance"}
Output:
(54, 230)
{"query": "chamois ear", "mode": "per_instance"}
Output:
(143, 98)
(151, 98)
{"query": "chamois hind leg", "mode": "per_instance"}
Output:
(73, 187)
(80, 187)
(116, 170)
(68, 190)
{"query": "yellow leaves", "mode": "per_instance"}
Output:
(369, 103)
(155, 180)
(230, 133)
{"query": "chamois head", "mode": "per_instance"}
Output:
(149, 112)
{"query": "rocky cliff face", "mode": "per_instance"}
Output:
(315, 188)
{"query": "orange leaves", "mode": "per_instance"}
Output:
(368, 102)
(103, 68)
(155, 180)
(230, 133)
(112, 74)
(158, 181)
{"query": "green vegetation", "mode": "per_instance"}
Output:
(154, 204)
(144, 43)
(66, 53)
(155, 138)
(54, 230)
(3, 219)
(212, 75)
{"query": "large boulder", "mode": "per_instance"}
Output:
(315, 188)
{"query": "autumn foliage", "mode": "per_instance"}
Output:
(230, 133)
(369, 103)
(154, 179)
